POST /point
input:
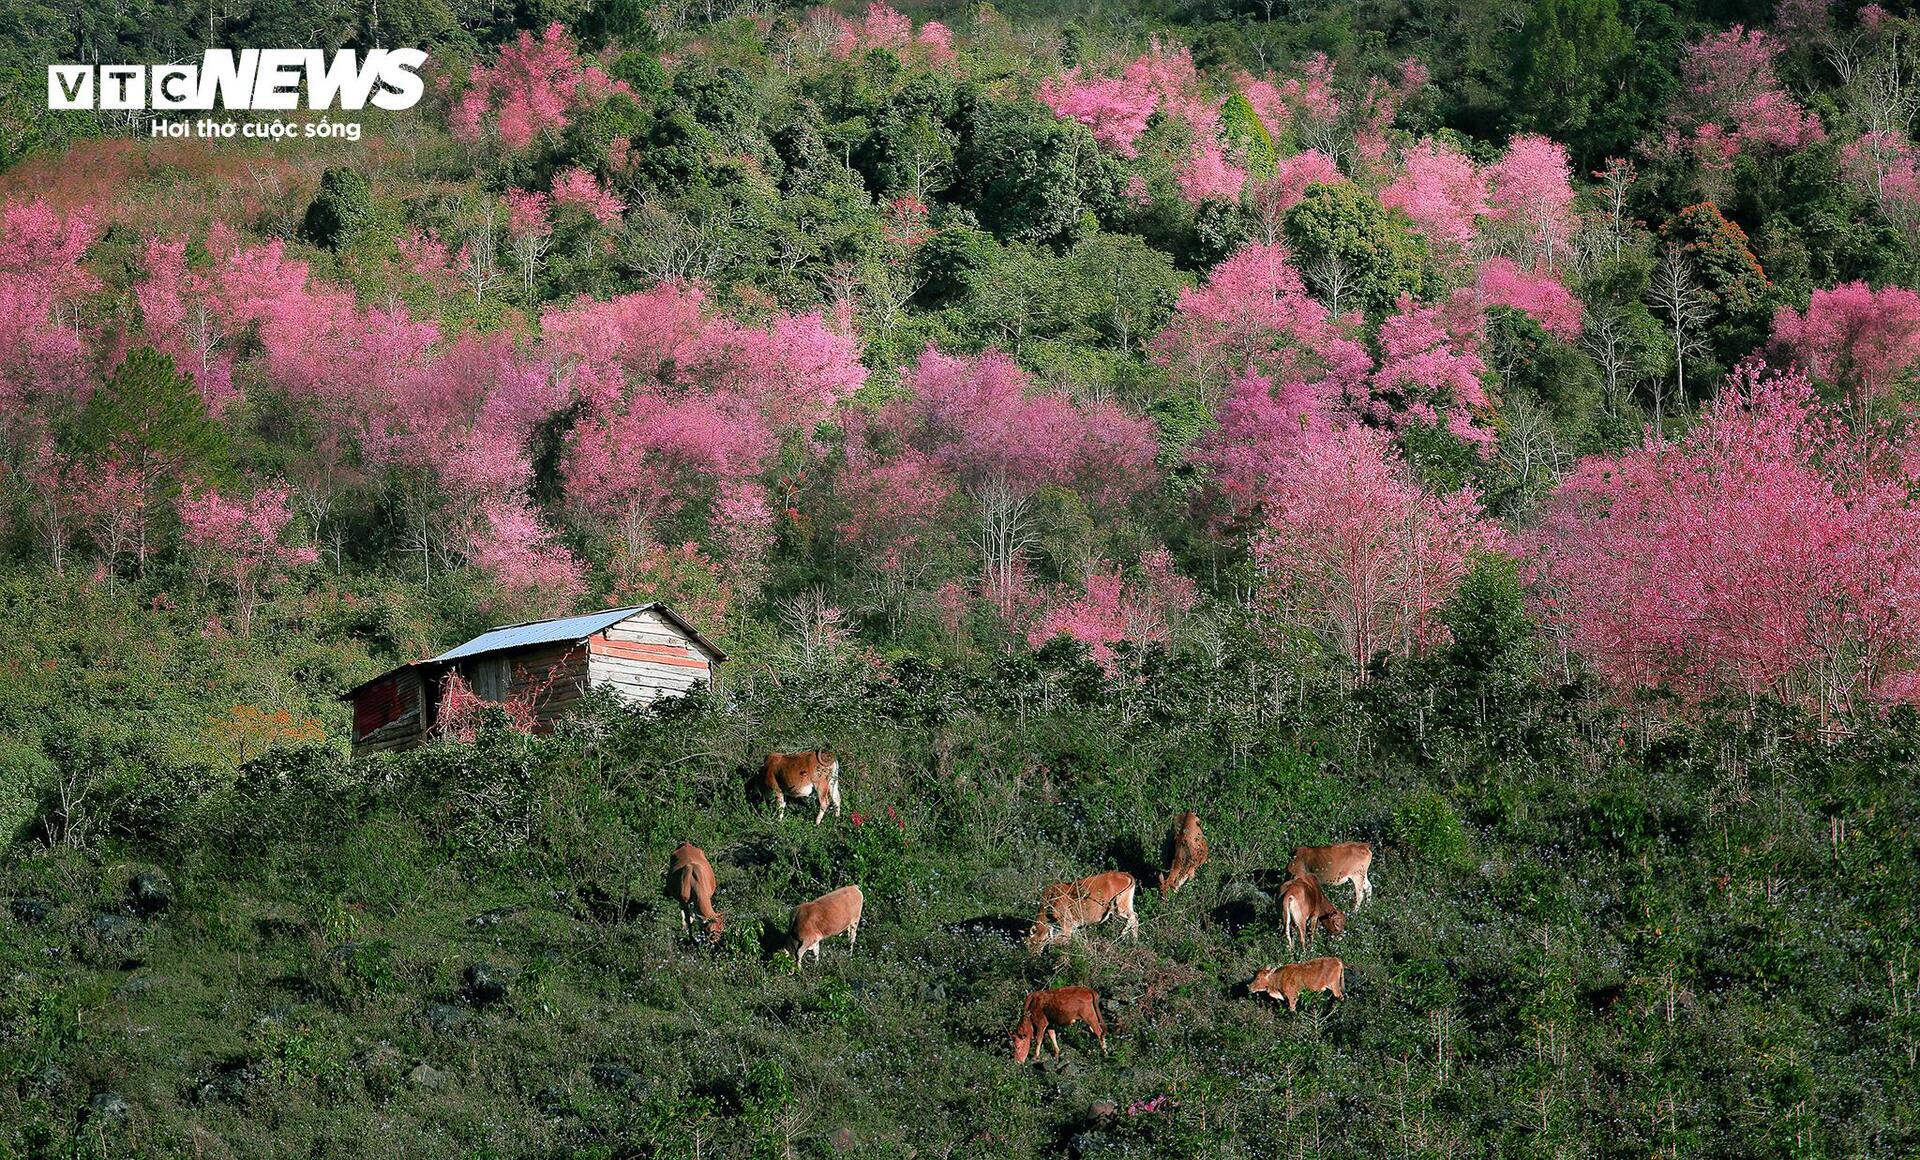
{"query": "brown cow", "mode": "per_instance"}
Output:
(1332, 865)
(1047, 1011)
(824, 917)
(690, 882)
(1067, 906)
(1189, 854)
(1284, 984)
(1304, 905)
(814, 774)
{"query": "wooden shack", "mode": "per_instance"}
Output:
(640, 654)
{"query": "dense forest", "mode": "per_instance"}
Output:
(1480, 428)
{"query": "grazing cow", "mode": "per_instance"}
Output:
(814, 774)
(1067, 906)
(1048, 1011)
(824, 917)
(1189, 847)
(1332, 865)
(1304, 905)
(1284, 984)
(690, 882)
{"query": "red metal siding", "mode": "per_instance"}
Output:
(658, 654)
(379, 704)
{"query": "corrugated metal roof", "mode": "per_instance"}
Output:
(564, 630)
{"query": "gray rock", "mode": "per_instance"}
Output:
(614, 1077)
(107, 938)
(425, 1075)
(30, 911)
(150, 893)
(445, 1018)
(1105, 1108)
(486, 983)
(49, 1083)
(494, 917)
(232, 1083)
(138, 985)
(553, 1103)
(108, 1107)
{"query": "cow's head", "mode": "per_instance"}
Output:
(1041, 934)
(1297, 868)
(1266, 980)
(715, 928)
(1022, 1039)
(1336, 923)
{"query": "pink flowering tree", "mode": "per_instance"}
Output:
(43, 284)
(1259, 427)
(1444, 193)
(1530, 200)
(1354, 551)
(1856, 338)
(1269, 198)
(1538, 294)
(1773, 551)
(1430, 373)
(242, 545)
(980, 419)
(1733, 101)
(1110, 609)
(531, 233)
(1254, 313)
(576, 187)
(510, 544)
(1115, 109)
(534, 87)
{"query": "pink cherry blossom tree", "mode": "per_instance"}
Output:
(1443, 192)
(43, 339)
(1530, 197)
(531, 233)
(1852, 336)
(1733, 101)
(576, 187)
(1430, 373)
(1355, 551)
(534, 86)
(1773, 551)
(1271, 197)
(242, 545)
(508, 542)
(1538, 294)
(1254, 313)
(1110, 608)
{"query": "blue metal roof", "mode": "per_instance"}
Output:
(565, 630)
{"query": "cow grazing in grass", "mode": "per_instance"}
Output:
(1284, 984)
(1189, 848)
(1067, 906)
(815, 774)
(1332, 865)
(1048, 1011)
(1304, 905)
(690, 882)
(824, 917)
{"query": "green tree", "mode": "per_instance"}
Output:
(340, 210)
(150, 420)
(1353, 250)
(1566, 66)
(1243, 130)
